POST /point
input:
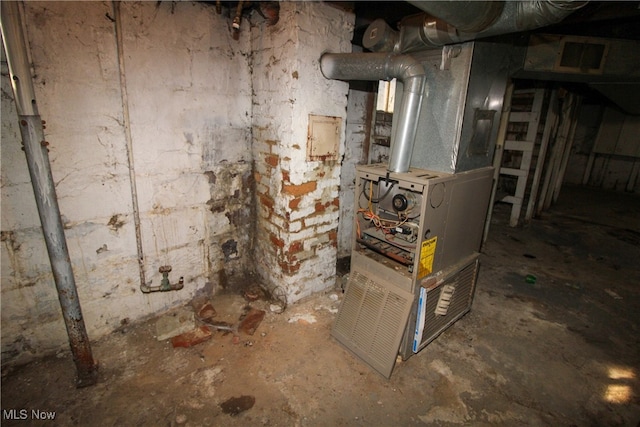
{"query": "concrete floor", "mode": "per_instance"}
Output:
(563, 351)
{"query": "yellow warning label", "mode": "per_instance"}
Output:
(427, 253)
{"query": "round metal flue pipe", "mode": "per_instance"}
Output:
(386, 66)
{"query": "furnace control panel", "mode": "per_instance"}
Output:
(419, 222)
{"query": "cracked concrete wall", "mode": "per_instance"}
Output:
(189, 90)
(297, 199)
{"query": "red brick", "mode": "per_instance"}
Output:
(272, 159)
(207, 311)
(285, 176)
(301, 189)
(293, 204)
(288, 267)
(266, 201)
(276, 240)
(191, 338)
(295, 247)
(320, 207)
(252, 320)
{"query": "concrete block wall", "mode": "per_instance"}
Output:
(297, 199)
(189, 96)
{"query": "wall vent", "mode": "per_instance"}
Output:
(442, 304)
(581, 56)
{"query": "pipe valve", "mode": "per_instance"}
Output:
(165, 284)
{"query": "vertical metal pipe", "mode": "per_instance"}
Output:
(44, 190)
(124, 94)
(383, 66)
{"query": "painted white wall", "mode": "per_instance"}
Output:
(189, 90)
(608, 171)
(203, 108)
(354, 154)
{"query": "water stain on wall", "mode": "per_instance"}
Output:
(116, 222)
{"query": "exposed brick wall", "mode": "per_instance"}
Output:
(297, 200)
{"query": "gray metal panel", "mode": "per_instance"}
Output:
(440, 121)
(490, 69)
(473, 78)
(468, 206)
(372, 318)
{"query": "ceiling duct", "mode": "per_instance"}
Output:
(449, 22)
(382, 66)
(466, 16)
(467, 20)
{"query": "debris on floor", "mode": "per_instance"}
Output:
(612, 294)
(207, 311)
(175, 323)
(303, 319)
(253, 293)
(236, 405)
(223, 326)
(191, 338)
(251, 321)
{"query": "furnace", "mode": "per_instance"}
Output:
(420, 218)
(414, 259)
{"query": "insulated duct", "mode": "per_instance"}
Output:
(466, 16)
(382, 66)
(449, 22)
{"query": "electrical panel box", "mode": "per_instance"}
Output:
(415, 233)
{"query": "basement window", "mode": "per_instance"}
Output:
(386, 96)
(384, 113)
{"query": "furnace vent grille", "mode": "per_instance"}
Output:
(372, 319)
(433, 317)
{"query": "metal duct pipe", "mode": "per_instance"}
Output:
(467, 16)
(35, 148)
(381, 66)
(449, 22)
